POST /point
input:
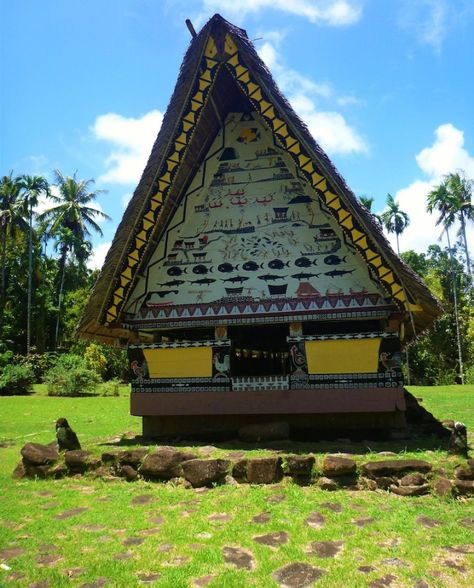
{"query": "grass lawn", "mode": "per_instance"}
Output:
(85, 532)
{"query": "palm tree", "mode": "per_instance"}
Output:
(12, 222)
(394, 219)
(441, 199)
(71, 222)
(32, 187)
(367, 202)
(460, 190)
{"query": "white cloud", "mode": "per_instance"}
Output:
(447, 154)
(131, 140)
(431, 21)
(333, 133)
(329, 128)
(125, 199)
(327, 12)
(96, 260)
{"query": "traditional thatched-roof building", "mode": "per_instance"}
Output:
(246, 278)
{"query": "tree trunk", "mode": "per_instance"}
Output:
(60, 296)
(456, 315)
(3, 280)
(30, 281)
(466, 250)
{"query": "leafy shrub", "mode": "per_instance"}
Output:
(70, 376)
(110, 388)
(95, 359)
(469, 375)
(38, 362)
(16, 379)
(6, 358)
(116, 361)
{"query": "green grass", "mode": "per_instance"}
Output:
(448, 402)
(92, 538)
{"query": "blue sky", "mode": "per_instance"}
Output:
(385, 86)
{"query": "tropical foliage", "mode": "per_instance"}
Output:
(45, 281)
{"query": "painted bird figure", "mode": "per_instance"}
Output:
(66, 437)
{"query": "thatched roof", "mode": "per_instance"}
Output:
(222, 72)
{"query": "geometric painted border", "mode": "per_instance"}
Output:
(283, 136)
(314, 176)
(178, 148)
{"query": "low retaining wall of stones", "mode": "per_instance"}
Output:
(404, 477)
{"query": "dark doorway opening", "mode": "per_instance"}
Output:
(260, 350)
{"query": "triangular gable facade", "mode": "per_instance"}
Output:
(252, 238)
(318, 249)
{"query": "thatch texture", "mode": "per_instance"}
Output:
(226, 95)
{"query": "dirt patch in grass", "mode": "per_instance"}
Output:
(274, 539)
(133, 541)
(11, 553)
(276, 498)
(315, 520)
(325, 548)
(262, 518)
(148, 577)
(383, 582)
(428, 522)
(203, 581)
(242, 559)
(334, 506)
(73, 512)
(363, 522)
(297, 575)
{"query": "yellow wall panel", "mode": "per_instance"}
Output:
(179, 363)
(355, 356)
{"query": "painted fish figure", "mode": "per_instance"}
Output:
(236, 279)
(202, 281)
(200, 269)
(226, 267)
(304, 276)
(250, 266)
(334, 260)
(336, 273)
(303, 262)
(276, 264)
(175, 271)
(173, 283)
(270, 277)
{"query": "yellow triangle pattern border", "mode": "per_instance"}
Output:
(198, 99)
(315, 177)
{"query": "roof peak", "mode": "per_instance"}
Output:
(217, 21)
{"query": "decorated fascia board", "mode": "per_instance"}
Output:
(284, 134)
